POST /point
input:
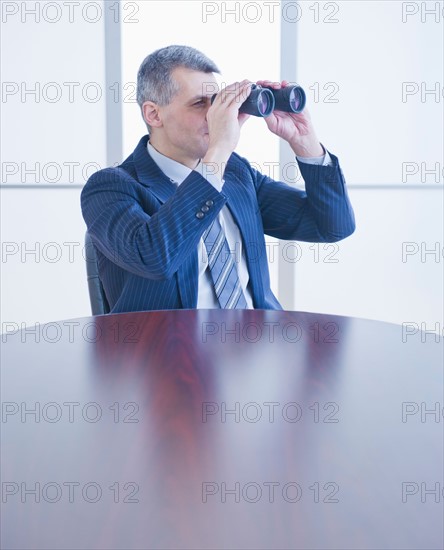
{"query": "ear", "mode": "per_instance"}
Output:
(151, 114)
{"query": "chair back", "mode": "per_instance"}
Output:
(97, 297)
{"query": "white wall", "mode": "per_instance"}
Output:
(383, 271)
(368, 53)
(54, 138)
(374, 72)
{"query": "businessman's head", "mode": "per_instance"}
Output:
(174, 88)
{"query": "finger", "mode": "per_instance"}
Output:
(234, 87)
(245, 90)
(269, 84)
(270, 120)
(242, 118)
(240, 95)
(227, 92)
(232, 92)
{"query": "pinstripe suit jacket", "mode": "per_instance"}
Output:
(147, 230)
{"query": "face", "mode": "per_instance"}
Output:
(181, 131)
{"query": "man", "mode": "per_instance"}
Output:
(181, 223)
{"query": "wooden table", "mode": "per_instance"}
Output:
(222, 429)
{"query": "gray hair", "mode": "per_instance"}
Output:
(154, 82)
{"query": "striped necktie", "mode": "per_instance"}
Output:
(223, 269)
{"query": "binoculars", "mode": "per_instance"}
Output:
(263, 101)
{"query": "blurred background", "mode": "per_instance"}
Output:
(373, 74)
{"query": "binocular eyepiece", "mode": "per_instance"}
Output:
(262, 101)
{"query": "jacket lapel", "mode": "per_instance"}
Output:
(151, 176)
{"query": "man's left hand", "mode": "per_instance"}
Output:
(295, 128)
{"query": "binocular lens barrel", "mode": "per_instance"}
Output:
(260, 102)
(290, 99)
(263, 101)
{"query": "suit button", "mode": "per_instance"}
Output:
(200, 215)
(205, 208)
(209, 203)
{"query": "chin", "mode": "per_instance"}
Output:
(203, 151)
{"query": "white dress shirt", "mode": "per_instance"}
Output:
(177, 173)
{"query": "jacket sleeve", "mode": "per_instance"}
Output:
(130, 227)
(321, 213)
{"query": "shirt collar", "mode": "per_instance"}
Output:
(174, 170)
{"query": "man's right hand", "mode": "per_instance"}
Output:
(224, 123)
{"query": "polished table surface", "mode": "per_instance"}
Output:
(222, 429)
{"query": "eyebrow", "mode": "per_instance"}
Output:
(199, 98)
